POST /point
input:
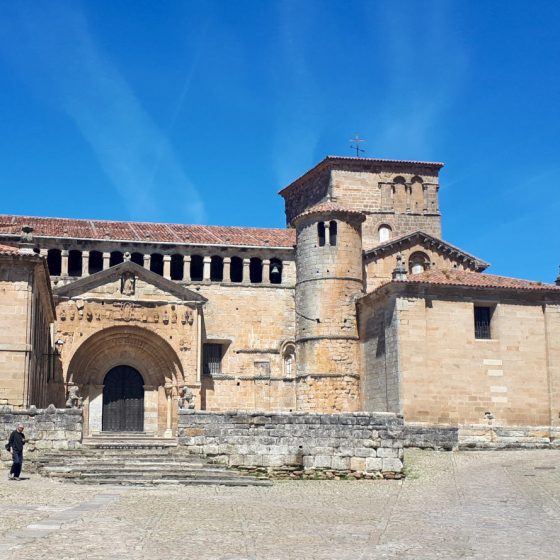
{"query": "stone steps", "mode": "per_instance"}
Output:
(114, 460)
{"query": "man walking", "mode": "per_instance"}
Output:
(16, 443)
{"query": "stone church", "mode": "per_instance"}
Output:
(357, 305)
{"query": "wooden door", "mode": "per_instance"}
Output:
(123, 400)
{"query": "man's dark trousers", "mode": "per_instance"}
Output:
(17, 457)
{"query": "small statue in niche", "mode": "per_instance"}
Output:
(74, 400)
(128, 281)
(186, 398)
(62, 315)
(165, 317)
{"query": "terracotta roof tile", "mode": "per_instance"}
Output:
(8, 250)
(148, 231)
(454, 277)
(327, 207)
(426, 239)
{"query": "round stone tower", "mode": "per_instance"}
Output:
(329, 278)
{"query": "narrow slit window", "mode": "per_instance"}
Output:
(333, 226)
(321, 233)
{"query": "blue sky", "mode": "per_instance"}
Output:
(199, 112)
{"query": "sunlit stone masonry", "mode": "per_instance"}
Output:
(357, 306)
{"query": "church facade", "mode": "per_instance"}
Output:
(358, 305)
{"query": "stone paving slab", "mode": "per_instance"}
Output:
(494, 504)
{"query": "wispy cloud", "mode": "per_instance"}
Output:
(57, 50)
(425, 67)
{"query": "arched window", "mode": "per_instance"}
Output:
(74, 263)
(321, 233)
(95, 262)
(116, 258)
(137, 258)
(196, 268)
(236, 269)
(54, 262)
(275, 271)
(289, 360)
(156, 263)
(217, 269)
(418, 262)
(176, 267)
(333, 230)
(385, 233)
(255, 270)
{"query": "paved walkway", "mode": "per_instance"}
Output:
(452, 505)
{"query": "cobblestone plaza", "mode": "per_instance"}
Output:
(499, 504)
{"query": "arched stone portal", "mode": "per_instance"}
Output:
(137, 349)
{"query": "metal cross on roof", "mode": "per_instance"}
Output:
(356, 146)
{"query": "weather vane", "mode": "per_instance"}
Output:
(356, 145)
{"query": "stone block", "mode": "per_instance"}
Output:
(392, 465)
(341, 463)
(358, 464)
(373, 464)
(387, 452)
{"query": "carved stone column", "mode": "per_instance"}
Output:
(64, 262)
(246, 271)
(327, 233)
(187, 268)
(227, 269)
(147, 259)
(266, 271)
(206, 270)
(106, 260)
(85, 263)
(167, 266)
(169, 394)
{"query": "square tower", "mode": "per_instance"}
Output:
(397, 197)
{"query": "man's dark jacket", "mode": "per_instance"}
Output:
(16, 441)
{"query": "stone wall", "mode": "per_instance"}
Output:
(46, 429)
(26, 311)
(298, 445)
(380, 357)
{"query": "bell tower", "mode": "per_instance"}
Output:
(329, 278)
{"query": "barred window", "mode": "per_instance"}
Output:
(212, 358)
(482, 319)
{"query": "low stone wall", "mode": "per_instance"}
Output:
(45, 430)
(488, 436)
(429, 436)
(298, 445)
(479, 436)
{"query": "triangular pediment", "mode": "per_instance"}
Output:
(428, 242)
(128, 281)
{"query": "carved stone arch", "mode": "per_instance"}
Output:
(399, 180)
(417, 179)
(134, 346)
(418, 262)
(288, 354)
